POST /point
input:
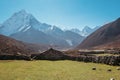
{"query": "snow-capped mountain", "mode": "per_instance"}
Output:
(76, 30)
(25, 27)
(86, 31)
(35, 36)
(21, 21)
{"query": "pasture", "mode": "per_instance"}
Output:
(55, 70)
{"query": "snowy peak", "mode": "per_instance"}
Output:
(17, 22)
(76, 30)
(86, 31)
(22, 12)
(55, 29)
(21, 15)
(21, 21)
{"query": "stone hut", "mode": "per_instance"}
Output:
(50, 54)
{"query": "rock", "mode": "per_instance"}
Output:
(118, 68)
(109, 70)
(93, 68)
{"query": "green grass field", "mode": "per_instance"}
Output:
(55, 70)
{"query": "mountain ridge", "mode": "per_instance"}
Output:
(86, 31)
(25, 27)
(107, 34)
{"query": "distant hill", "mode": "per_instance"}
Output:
(108, 36)
(12, 46)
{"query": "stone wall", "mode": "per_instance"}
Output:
(15, 57)
(57, 55)
(110, 60)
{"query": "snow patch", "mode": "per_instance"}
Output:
(27, 28)
(52, 27)
(21, 28)
(69, 42)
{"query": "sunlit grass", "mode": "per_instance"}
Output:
(55, 70)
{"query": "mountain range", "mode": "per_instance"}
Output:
(86, 31)
(23, 33)
(25, 27)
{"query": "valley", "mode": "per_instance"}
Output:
(59, 40)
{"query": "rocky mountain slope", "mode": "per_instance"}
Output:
(108, 36)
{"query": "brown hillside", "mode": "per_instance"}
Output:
(12, 46)
(105, 36)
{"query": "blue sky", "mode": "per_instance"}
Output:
(65, 13)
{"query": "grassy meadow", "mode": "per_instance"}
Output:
(55, 70)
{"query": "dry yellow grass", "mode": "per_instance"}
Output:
(55, 70)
